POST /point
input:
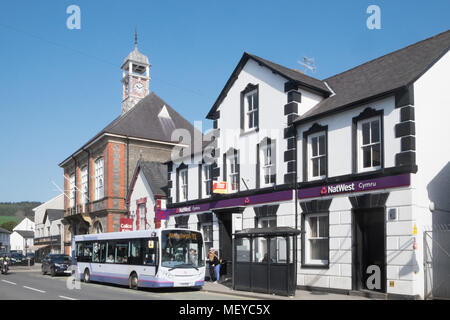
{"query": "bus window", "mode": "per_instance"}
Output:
(121, 252)
(96, 252)
(102, 252)
(150, 249)
(110, 252)
(134, 253)
(87, 252)
(79, 252)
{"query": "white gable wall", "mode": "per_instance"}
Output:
(142, 190)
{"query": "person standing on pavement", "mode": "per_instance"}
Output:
(213, 263)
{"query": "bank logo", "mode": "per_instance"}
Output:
(338, 188)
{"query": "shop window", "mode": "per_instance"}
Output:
(267, 222)
(317, 239)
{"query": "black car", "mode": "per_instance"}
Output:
(56, 264)
(18, 259)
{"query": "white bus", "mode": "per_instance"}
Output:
(148, 258)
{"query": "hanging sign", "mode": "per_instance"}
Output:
(220, 187)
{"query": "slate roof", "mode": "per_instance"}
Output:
(382, 75)
(27, 234)
(142, 121)
(156, 175)
(4, 231)
(289, 74)
(53, 214)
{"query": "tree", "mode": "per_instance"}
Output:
(9, 225)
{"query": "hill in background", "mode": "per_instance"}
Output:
(16, 211)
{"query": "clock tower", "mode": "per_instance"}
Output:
(135, 78)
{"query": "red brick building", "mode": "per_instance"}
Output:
(97, 175)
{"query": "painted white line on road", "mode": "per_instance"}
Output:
(41, 291)
(9, 282)
(67, 298)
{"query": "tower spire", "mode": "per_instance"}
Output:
(135, 38)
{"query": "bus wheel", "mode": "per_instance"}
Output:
(87, 276)
(133, 281)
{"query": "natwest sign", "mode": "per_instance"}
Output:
(349, 187)
(126, 224)
(356, 186)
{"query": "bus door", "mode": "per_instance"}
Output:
(150, 255)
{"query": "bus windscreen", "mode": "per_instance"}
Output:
(181, 249)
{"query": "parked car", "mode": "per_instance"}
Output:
(30, 256)
(18, 259)
(56, 264)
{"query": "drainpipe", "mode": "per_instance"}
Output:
(128, 167)
(296, 204)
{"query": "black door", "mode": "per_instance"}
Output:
(369, 263)
(225, 244)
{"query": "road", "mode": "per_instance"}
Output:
(23, 284)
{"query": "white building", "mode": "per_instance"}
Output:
(49, 234)
(146, 193)
(22, 236)
(364, 152)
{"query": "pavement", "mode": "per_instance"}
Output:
(226, 288)
(211, 290)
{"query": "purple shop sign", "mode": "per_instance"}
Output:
(356, 186)
(235, 202)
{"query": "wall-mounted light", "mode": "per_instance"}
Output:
(432, 206)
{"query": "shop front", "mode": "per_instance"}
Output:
(222, 218)
(344, 243)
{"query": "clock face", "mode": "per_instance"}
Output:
(139, 87)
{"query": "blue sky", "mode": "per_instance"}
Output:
(60, 87)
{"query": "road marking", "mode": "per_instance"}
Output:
(9, 282)
(67, 298)
(41, 291)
